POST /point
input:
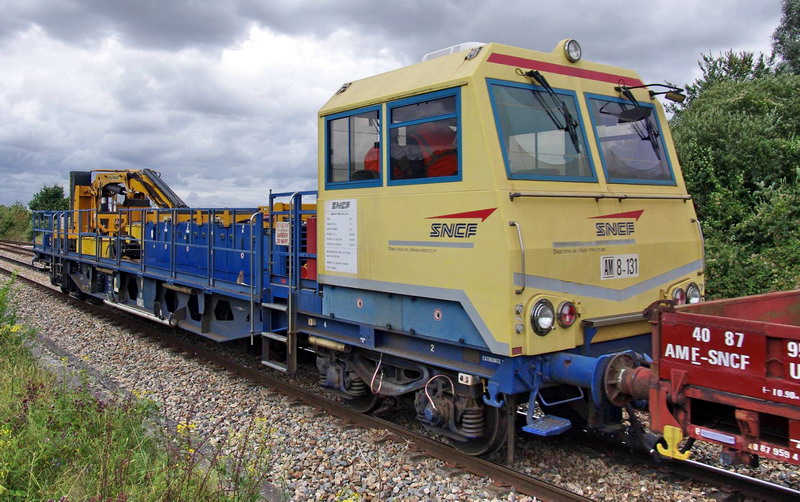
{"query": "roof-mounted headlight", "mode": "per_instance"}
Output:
(573, 50)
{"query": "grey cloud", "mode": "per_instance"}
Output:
(162, 99)
(170, 25)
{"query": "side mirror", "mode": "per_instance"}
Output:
(677, 97)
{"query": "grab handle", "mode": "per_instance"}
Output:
(521, 253)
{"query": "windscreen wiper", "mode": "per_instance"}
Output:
(570, 125)
(638, 114)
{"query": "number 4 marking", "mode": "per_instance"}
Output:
(702, 334)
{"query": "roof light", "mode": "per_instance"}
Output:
(572, 49)
(453, 49)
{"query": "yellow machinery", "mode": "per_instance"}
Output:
(112, 203)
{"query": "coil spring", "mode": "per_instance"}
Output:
(472, 422)
(358, 387)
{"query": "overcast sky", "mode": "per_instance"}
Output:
(221, 96)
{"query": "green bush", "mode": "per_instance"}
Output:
(60, 440)
(15, 222)
(738, 145)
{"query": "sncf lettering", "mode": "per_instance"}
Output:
(456, 230)
(728, 359)
(616, 228)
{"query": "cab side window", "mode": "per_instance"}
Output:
(353, 144)
(424, 140)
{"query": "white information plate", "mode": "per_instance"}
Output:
(619, 266)
(341, 236)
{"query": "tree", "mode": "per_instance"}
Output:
(786, 38)
(729, 66)
(49, 198)
(738, 145)
(737, 140)
(15, 222)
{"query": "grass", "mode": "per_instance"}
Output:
(61, 440)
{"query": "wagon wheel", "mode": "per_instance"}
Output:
(365, 400)
(495, 426)
(364, 404)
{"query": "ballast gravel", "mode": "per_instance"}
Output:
(313, 456)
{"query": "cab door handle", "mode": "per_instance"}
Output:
(521, 253)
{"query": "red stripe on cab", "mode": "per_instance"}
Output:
(569, 71)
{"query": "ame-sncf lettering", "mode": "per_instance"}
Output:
(712, 357)
(340, 205)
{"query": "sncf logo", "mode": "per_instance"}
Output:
(459, 229)
(620, 224)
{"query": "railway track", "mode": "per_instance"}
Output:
(15, 243)
(15, 247)
(729, 482)
(501, 476)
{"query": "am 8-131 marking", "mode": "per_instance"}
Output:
(619, 266)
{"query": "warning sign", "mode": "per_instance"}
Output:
(282, 231)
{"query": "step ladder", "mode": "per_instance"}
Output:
(56, 268)
(279, 351)
(279, 346)
(57, 274)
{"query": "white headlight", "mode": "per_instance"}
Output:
(679, 295)
(693, 293)
(542, 317)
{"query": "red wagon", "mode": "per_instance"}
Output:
(728, 372)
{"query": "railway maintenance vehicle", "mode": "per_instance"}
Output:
(496, 232)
